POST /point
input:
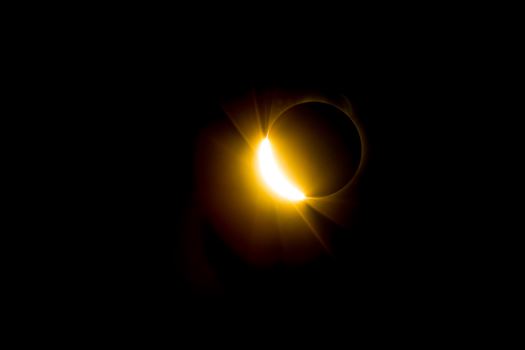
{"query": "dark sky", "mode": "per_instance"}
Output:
(405, 255)
(122, 97)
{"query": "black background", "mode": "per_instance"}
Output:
(110, 101)
(143, 104)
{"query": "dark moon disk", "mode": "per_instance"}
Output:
(318, 146)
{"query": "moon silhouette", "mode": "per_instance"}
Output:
(273, 175)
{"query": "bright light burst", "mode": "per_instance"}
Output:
(274, 177)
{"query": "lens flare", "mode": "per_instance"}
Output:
(273, 176)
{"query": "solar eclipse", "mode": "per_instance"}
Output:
(276, 177)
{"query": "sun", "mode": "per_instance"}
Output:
(273, 176)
